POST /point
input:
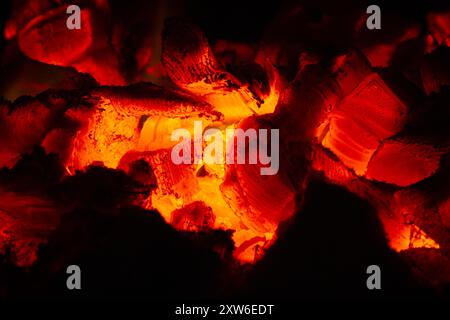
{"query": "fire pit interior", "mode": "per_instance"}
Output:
(343, 164)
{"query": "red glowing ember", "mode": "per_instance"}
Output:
(339, 118)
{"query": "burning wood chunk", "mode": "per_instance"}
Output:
(188, 58)
(97, 126)
(370, 114)
(47, 39)
(42, 35)
(149, 99)
(402, 222)
(184, 197)
(423, 225)
(191, 64)
(122, 117)
(403, 163)
(409, 217)
(353, 115)
(332, 168)
(349, 70)
(262, 201)
(309, 100)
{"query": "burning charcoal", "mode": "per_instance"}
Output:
(262, 201)
(191, 64)
(333, 169)
(240, 59)
(376, 113)
(42, 35)
(91, 119)
(115, 126)
(126, 119)
(409, 218)
(114, 154)
(403, 163)
(427, 202)
(131, 112)
(371, 113)
(146, 98)
(421, 211)
(308, 101)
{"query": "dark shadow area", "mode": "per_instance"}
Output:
(326, 250)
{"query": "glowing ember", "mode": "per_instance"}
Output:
(347, 118)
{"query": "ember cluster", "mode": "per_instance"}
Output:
(86, 176)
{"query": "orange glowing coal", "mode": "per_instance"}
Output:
(348, 121)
